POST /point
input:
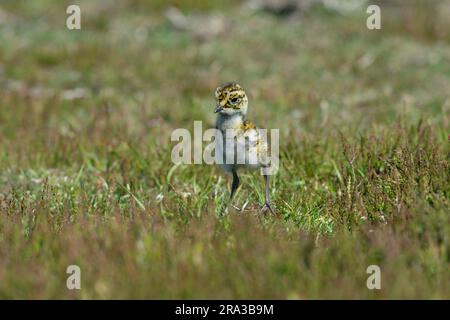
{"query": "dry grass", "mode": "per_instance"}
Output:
(86, 176)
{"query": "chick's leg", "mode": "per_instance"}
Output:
(234, 187)
(267, 202)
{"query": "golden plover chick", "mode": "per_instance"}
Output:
(241, 145)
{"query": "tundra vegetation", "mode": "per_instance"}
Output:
(86, 176)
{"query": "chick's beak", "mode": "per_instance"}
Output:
(218, 108)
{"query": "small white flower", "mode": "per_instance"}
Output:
(159, 197)
(186, 194)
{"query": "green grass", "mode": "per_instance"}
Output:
(364, 169)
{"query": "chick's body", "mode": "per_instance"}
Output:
(242, 145)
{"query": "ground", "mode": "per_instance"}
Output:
(86, 176)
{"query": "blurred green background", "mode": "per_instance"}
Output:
(85, 170)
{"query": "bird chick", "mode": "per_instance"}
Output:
(241, 145)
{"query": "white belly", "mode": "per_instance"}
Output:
(240, 149)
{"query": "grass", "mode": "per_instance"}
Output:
(86, 176)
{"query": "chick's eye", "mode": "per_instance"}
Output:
(234, 100)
